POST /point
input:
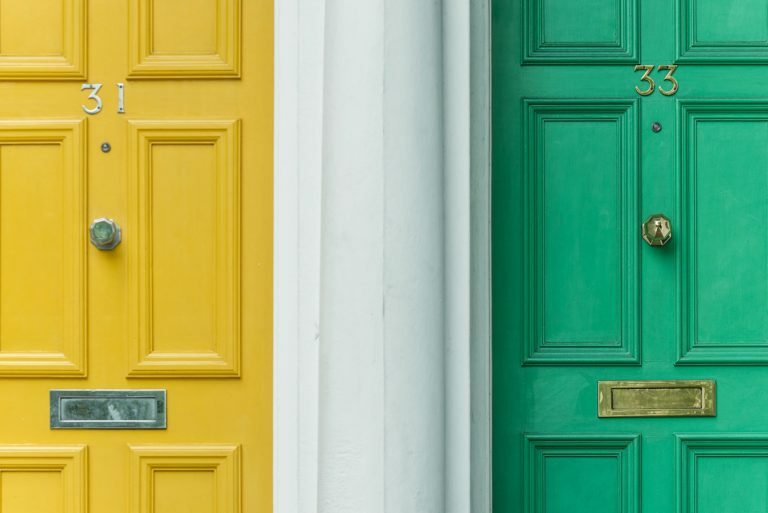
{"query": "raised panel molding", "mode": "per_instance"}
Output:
(65, 356)
(67, 62)
(612, 335)
(553, 36)
(604, 468)
(726, 339)
(714, 470)
(695, 45)
(170, 478)
(221, 61)
(149, 353)
(26, 472)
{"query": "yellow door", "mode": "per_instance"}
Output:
(181, 308)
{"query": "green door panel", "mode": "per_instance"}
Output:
(578, 297)
(723, 473)
(582, 464)
(725, 31)
(724, 189)
(556, 32)
(582, 289)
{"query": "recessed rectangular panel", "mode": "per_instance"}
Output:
(184, 39)
(202, 478)
(589, 31)
(44, 39)
(43, 479)
(719, 473)
(723, 479)
(32, 284)
(692, 398)
(724, 241)
(40, 491)
(185, 207)
(108, 409)
(742, 21)
(192, 491)
(183, 221)
(581, 280)
(730, 222)
(32, 28)
(184, 27)
(582, 474)
(581, 237)
(42, 206)
(720, 31)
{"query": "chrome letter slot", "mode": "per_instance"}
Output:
(108, 409)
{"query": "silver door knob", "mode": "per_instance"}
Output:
(657, 230)
(105, 234)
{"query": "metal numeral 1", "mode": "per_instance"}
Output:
(120, 98)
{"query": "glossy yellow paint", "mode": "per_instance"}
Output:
(184, 303)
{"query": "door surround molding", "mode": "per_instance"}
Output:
(298, 139)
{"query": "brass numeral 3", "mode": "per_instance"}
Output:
(675, 85)
(646, 77)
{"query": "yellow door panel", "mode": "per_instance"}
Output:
(43, 479)
(184, 302)
(184, 205)
(43, 39)
(184, 38)
(209, 476)
(42, 205)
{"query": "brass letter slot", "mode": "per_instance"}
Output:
(656, 398)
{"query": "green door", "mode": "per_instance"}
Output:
(580, 160)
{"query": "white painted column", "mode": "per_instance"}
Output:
(381, 433)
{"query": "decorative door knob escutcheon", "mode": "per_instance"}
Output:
(657, 230)
(105, 234)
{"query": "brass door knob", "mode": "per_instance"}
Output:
(657, 230)
(105, 234)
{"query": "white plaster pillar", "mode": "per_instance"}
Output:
(381, 398)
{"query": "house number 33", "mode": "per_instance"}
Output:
(96, 99)
(648, 68)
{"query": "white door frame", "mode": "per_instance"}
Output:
(299, 65)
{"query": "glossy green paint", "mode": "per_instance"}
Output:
(563, 324)
(582, 464)
(579, 298)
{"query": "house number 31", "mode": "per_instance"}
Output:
(98, 104)
(648, 68)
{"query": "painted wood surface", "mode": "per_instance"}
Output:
(184, 303)
(579, 298)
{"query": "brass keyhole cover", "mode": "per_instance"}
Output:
(657, 230)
